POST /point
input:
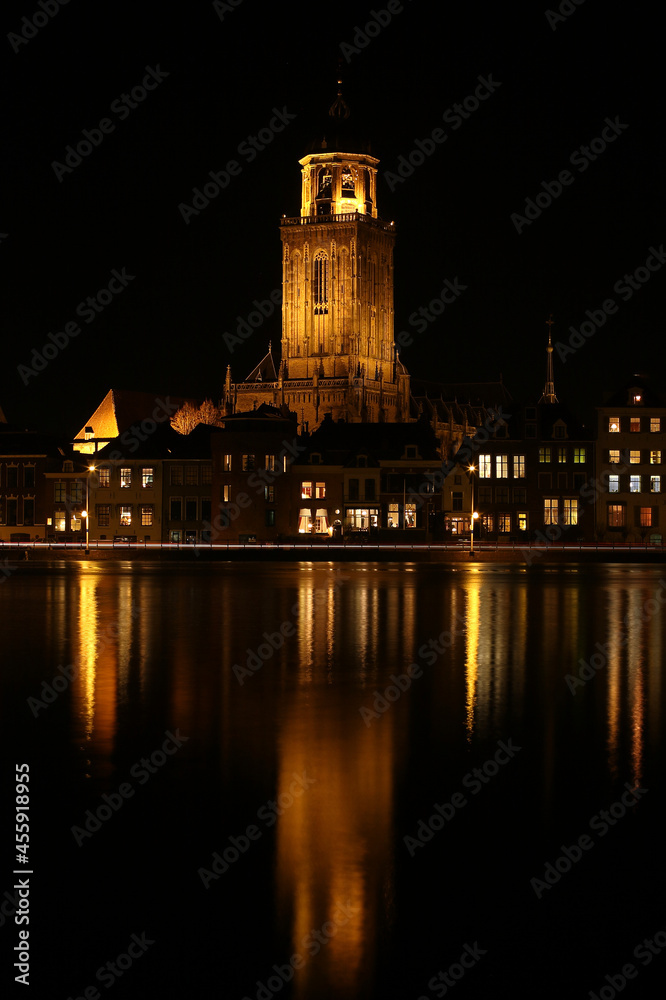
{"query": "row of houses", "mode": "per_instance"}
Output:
(526, 472)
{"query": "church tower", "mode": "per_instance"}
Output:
(337, 350)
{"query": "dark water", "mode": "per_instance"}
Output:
(311, 777)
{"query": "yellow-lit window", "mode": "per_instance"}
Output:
(614, 425)
(306, 491)
(544, 454)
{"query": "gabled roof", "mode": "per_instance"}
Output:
(265, 370)
(121, 408)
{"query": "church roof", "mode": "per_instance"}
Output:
(335, 133)
(265, 370)
(122, 408)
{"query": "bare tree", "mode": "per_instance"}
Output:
(185, 419)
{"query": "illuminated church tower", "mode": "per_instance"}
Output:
(337, 350)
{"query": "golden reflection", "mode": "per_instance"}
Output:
(617, 637)
(472, 621)
(86, 656)
(334, 850)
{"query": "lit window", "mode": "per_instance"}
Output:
(247, 463)
(485, 468)
(269, 494)
(269, 463)
(655, 458)
(174, 536)
(504, 523)
(634, 458)
(614, 425)
(570, 512)
(394, 515)
(501, 466)
(410, 515)
(655, 484)
(226, 463)
(125, 516)
(521, 521)
(615, 515)
(550, 511)
(613, 484)
(646, 517)
(104, 477)
(488, 522)
(147, 478)
(614, 456)
(635, 425)
(561, 455)
(306, 491)
(146, 516)
(103, 514)
(320, 491)
(60, 492)
(579, 456)
(544, 454)
(655, 424)
(226, 493)
(634, 484)
(125, 478)
(176, 475)
(191, 475)
(60, 521)
(75, 522)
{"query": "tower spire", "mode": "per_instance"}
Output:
(549, 389)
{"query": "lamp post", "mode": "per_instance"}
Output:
(474, 516)
(86, 512)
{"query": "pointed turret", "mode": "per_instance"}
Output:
(548, 395)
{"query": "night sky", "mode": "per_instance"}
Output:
(218, 76)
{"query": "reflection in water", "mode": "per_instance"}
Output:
(155, 645)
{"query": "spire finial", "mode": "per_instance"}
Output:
(339, 108)
(549, 389)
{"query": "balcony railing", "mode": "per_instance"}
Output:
(322, 220)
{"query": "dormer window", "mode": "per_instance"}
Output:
(68, 466)
(410, 451)
(362, 462)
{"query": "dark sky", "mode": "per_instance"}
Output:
(223, 74)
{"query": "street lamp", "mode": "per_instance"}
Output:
(86, 513)
(474, 516)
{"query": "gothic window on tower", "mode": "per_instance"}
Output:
(348, 187)
(321, 284)
(324, 192)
